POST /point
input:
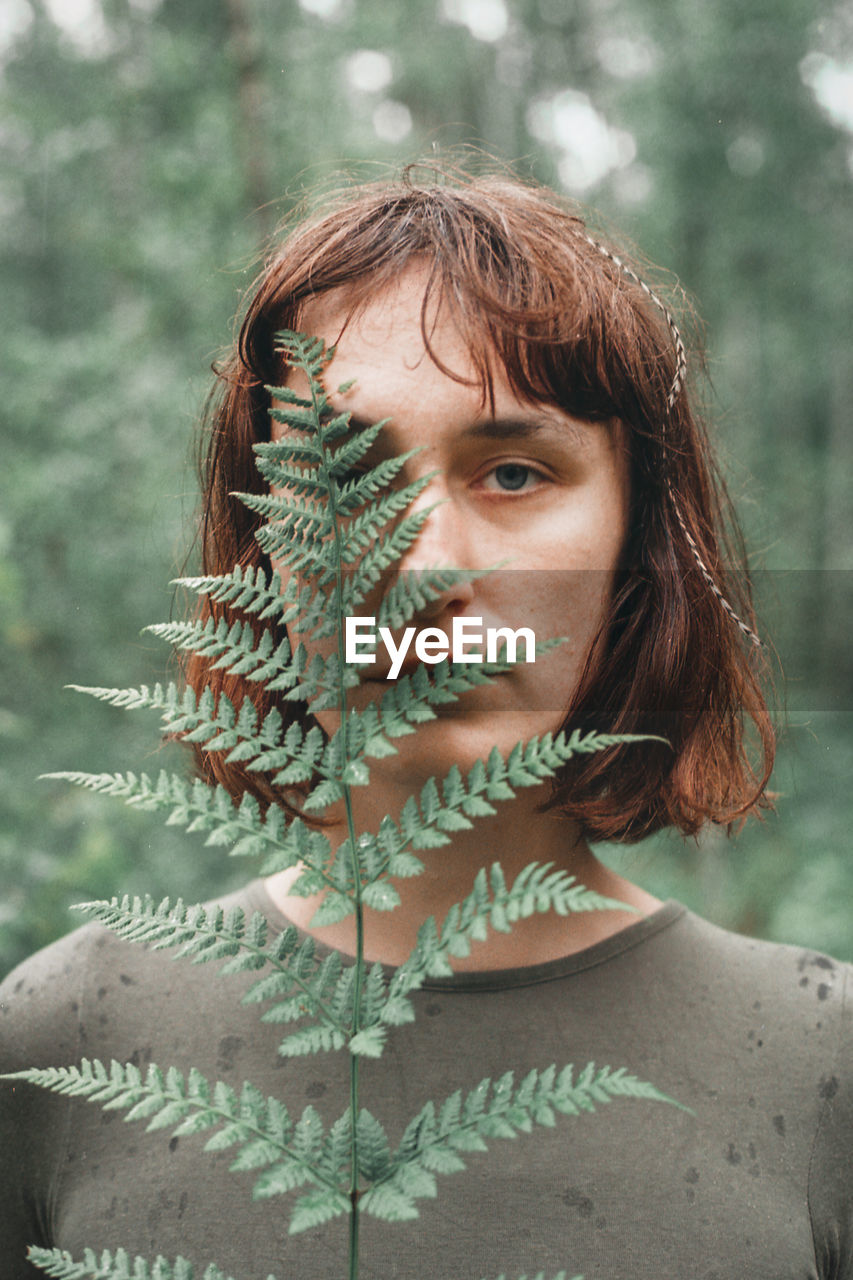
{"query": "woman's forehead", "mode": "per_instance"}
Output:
(364, 306)
(413, 319)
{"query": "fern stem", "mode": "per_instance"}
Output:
(356, 866)
(354, 1220)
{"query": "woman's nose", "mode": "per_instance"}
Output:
(444, 542)
(443, 539)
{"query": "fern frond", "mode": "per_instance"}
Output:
(235, 647)
(492, 904)
(300, 984)
(260, 1128)
(247, 589)
(430, 822)
(435, 1141)
(308, 1040)
(303, 352)
(317, 1207)
(315, 609)
(291, 756)
(292, 447)
(414, 591)
(374, 1151)
(298, 414)
(215, 724)
(197, 720)
(320, 682)
(202, 933)
(160, 697)
(287, 513)
(117, 1266)
(354, 446)
(337, 526)
(200, 807)
(304, 545)
(382, 554)
(369, 1042)
(290, 522)
(426, 823)
(409, 699)
(299, 843)
(540, 1275)
(363, 529)
(367, 485)
(315, 557)
(281, 474)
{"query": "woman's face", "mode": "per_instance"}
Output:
(520, 484)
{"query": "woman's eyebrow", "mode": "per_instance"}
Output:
(522, 428)
(502, 428)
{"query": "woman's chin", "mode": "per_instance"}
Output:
(459, 739)
(489, 717)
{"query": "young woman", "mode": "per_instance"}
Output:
(543, 383)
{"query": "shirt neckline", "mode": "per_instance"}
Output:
(633, 935)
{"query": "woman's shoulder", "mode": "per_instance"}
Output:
(41, 999)
(781, 997)
(75, 995)
(776, 1021)
(784, 972)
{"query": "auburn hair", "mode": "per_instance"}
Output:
(572, 329)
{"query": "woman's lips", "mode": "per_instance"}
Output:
(385, 677)
(382, 675)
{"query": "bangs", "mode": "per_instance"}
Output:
(519, 275)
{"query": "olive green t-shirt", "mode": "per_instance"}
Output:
(755, 1182)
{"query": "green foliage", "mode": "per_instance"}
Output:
(436, 1138)
(291, 1152)
(118, 1266)
(347, 1167)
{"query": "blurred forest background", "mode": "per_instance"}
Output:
(146, 149)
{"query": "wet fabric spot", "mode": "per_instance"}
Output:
(574, 1198)
(229, 1047)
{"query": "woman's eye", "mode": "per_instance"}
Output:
(511, 477)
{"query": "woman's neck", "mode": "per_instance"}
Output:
(515, 836)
